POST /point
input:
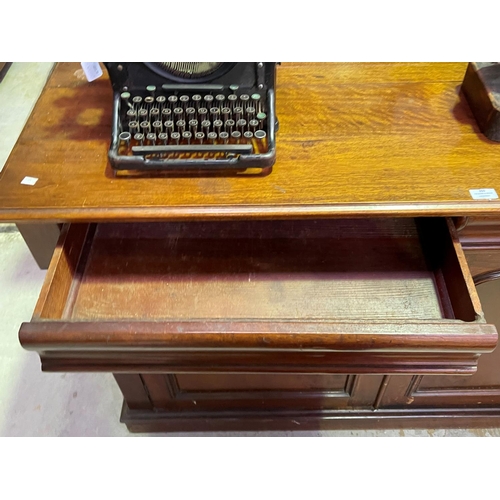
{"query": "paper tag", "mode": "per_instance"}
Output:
(483, 194)
(92, 70)
(29, 181)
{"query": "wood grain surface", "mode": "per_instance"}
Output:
(354, 140)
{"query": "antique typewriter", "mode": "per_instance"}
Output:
(193, 116)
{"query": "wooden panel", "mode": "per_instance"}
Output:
(483, 261)
(480, 238)
(261, 382)
(196, 394)
(354, 139)
(41, 240)
(134, 391)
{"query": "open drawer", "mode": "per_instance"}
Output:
(302, 296)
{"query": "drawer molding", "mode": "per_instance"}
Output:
(253, 346)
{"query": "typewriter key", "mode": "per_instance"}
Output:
(125, 137)
(133, 126)
(248, 134)
(181, 125)
(237, 111)
(244, 98)
(229, 125)
(253, 124)
(219, 98)
(190, 112)
(260, 134)
(224, 136)
(202, 112)
(196, 99)
(212, 136)
(232, 100)
(187, 136)
(139, 138)
(157, 125)
(175, 136)
(163, 137)
(194, 125)
(151, 89)
(151, 137)
(236, 135)
(161, 99)
(199, 137)
(205, 124)
(125, 98)
(149, 99)
(217, 125)
(145, 126)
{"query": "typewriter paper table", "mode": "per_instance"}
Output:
(338, 291)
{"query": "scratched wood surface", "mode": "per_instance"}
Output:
(189, 271)
(354, 139)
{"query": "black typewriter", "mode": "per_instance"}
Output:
(193, 115)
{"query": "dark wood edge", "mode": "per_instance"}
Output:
(179, 213)
(61, 272)
(260, 362)
(134, 336)
(167, 421)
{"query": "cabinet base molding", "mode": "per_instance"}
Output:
(310, 420)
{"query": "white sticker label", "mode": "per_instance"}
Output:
(29, 181)
(483, 194)
(92, 70)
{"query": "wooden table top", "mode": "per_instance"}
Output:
(354, 140)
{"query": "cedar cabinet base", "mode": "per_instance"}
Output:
(166, 421)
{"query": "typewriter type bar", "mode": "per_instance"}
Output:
(175, 125)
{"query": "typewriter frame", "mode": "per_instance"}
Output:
(136, 76)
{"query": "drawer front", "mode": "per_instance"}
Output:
(345, 297)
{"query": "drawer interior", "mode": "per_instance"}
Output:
(339, 270)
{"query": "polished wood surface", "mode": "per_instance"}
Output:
(354, 139)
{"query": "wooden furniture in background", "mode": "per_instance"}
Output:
(334, 292)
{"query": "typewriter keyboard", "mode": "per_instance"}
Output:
(192, 125)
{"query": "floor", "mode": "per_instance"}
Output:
(33, 403)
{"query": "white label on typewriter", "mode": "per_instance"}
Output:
(92, 70)
(483, 194)
(29, 181)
